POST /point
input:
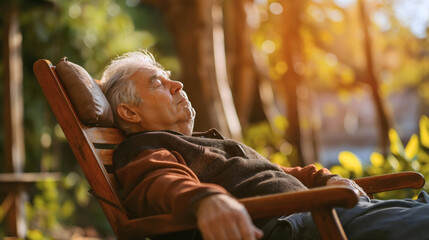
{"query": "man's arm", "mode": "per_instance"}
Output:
(311, 177)
(158, 181)
(223, 217)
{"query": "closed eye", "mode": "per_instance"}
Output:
(155, 81)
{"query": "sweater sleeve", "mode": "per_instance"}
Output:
(309, 175)
(158, 181)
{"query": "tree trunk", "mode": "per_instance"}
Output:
(239, 58)
(383, 121)
(13, 116)
(197, 30)
(291, 51)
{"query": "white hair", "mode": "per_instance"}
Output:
(116, 81)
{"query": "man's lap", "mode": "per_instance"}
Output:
(389, 219)
(370, 219)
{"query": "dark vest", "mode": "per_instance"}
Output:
(238, 168)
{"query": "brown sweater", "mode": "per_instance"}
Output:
(167, 172)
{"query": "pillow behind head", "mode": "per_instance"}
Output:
(86, 96)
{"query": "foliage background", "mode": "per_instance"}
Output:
(90, 33)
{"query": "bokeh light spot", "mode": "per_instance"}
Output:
(75, 11)
(276, 8)
(268, 46)
(281, 67)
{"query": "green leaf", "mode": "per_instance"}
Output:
(81, 193)
(67, 209)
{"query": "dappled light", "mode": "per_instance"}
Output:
(340, 83)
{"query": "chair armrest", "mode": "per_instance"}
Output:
(316, 199)
(393, 181)
(305, 201)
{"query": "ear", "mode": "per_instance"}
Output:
(128, 113)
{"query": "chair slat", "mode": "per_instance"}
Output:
(103, 135)
(105, 156)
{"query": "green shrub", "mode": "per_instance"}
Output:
(413, 157)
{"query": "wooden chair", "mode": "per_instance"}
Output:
(93, 148)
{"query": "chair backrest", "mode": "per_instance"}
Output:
(91, 145)
(85, 117)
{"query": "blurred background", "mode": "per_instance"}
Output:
(343, 84)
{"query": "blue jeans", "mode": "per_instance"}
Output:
(369, 219)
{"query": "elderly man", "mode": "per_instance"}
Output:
(164, 167)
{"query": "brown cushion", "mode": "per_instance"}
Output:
(86, 96)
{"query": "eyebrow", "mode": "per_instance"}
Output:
(153, 77)
(168, 73)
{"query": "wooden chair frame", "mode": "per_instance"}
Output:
(92, 147)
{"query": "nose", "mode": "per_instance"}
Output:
(175, 86)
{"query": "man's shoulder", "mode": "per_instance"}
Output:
(149, 135)
(138, 142)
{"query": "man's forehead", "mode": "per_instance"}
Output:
(144, 73)
(150, 72)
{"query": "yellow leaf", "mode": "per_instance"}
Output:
(375, 171)
(396, 166)
(279, 158)
(424, 131)
(340, 171)
(347, 76)
(318, 165)
(415, 165)
(412, 147)
(396, 146)
(281, 123)
(34, 234)
(351, 162)
(377, 160)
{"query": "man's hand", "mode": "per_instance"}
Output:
(223, 217)
(347, 182)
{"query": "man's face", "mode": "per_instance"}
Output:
(164, 105)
